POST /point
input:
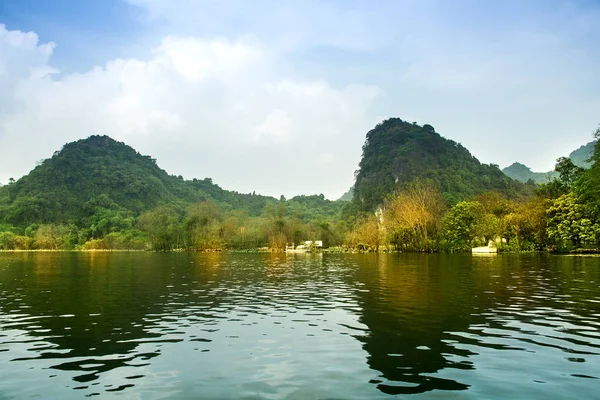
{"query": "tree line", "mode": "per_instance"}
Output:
(419, 215)
(202, 226)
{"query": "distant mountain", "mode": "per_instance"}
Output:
(396, 152)
(581, 156)
(523, 173)
(101, 172)
(348, 195)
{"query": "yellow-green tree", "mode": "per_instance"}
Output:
(162, 227)
(203, 226)
(366, 234)
(412, 217)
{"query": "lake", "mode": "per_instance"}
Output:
(298, 326)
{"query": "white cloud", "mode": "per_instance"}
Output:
(195, 59)
(202, 107)
(257, 94)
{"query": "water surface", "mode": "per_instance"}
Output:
(299, 326)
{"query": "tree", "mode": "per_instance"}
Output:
(412, 216)
(588, 184)
(525, 226)
(203, 226)
(570, 224)
(366, 234)
(463, 226)
(567, 171)
(162, 226)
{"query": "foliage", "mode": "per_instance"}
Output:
(587, 187)
(396, 152)
(366, 234)
(464, 226)
(162, 227)
(571, 224)
(412, 217)
(99, 194)
(110, 196)
(525, 225)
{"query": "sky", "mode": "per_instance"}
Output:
(277, 97)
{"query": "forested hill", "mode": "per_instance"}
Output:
(581, 156)
(523, 173)
(99, 172)
(396, 152)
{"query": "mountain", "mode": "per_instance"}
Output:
(101, 172)
(523, 173)
(348, 195)
(396, 152)
(581, 156)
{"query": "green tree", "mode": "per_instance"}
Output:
(203, 228)
(570, 224)
(162, 227)
(463, 226)
(588, 184)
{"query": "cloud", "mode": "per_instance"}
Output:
(203, 107)
(277, 96)
(489, 75)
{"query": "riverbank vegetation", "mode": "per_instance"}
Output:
(414, 191)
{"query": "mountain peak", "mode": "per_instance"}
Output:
(397, 152)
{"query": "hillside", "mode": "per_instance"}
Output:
(523, 173)
(101, 172)
(396, 152)
(581, 156)
(348, 195)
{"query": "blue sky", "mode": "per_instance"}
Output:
(277, 97)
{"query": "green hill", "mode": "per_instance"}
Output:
(348, 195)
(523, 173)
(101, 172)
(581, 156)
(396, 152)
(98, 193)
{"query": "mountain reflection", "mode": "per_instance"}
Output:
(421, 311)
(184, 325)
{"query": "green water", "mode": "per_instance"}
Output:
(262, 326)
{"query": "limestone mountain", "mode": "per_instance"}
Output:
(396, 152)
(523, 173)
(581, 156)
(101, 172)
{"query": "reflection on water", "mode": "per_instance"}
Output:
(147, 325)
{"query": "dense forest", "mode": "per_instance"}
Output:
(421, 213)
(396, 152)
(414, 191)
(99, 193)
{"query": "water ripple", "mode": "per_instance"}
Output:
(317, 326)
